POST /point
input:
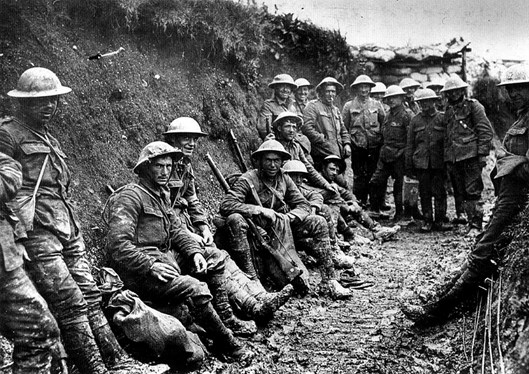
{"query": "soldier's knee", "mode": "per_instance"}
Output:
(237, 222)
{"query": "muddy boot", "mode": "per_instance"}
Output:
(440, 310)
(113, 355)
(340, 259)
(223, 338)
(262, 309)
(329, 286)
(224, 310)
(243, 258)
(82, 348)
(334, 290)
(440, 215)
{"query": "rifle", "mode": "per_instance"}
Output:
(220, 178)
(288, 267)
(238, 152)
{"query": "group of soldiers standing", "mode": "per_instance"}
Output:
(296, 198)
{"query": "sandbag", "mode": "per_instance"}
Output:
(163, 334)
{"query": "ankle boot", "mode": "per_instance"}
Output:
(223, 338)
(82, 348)
(341, 260)
(224, 309)
(269, 303)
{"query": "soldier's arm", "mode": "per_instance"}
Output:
(122, 220)
(381, 114)
(344, 134)
(315, 178)
(264, 120)
(235, 200)
(410, 146)
(346, 115)
(181, 239)
(7, 143)
(315, 199)
(10, 177)
(194, 206)
(300, 207)
(308, 128)
(482, 127)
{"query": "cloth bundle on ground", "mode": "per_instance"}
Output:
(165, 335)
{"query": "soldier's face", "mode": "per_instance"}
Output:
(39, 110)
(297, 178)
(519, 95)
(328, 94)
(409, 92)
(427, 105)
(283, 91)
(394, 101)
(454, 96)
(377, 96)
(271, 163)
(187, 143)
(287, 131)
(302, 94)
(159, 170)
(330, 171)
(363, 90)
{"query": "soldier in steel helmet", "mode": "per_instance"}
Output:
(281, 101)
(513, 175)
(391, 158)
(409, 86)
(301, 95)
(55, 246)
(363, 117)
(157, 257)
(467, 144)
(424, 158)
(26, 320)
(323, 124)
(184, 133)
(271, 199)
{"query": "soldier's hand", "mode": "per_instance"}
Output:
(207, 236)
(347, 150)
(268, 213)
(333, 188)
(201, 265)
(163, 272)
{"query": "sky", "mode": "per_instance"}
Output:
(496, 29)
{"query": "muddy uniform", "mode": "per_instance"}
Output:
(269, 112)
(284, 197)
(467, 138)
(24, 315)
(143, 229)
(325, 129)
(425, 158)
(55, 246)
(363, 121)
(297, 152)
(512, 196)
(391, 160)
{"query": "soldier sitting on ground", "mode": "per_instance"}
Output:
(157, 258)
(346, 208)
(271, 199)
(183, 133)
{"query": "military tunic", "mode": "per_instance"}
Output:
(269, 111)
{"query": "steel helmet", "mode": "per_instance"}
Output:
(184, 125)
(409, 83)
(38, 82)
(156, 149)
(283, 79)
(327, 81)
(394, 90)
(453, 83)
(516, 74)
(272, 146)
(336, 159)
(435, 83)
(284, 115)
(425, 94)
(294, 166)
(302, 82)
(379, 88)
(363, 79)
